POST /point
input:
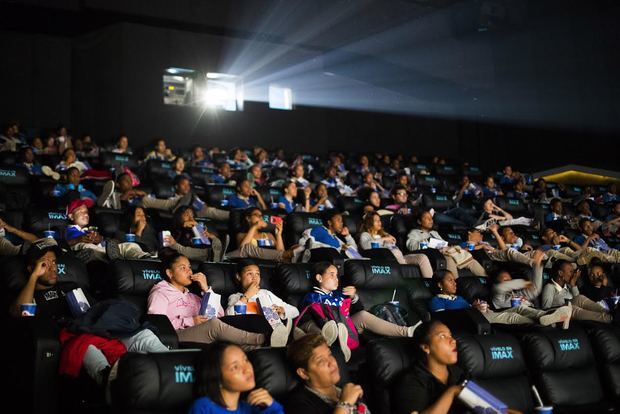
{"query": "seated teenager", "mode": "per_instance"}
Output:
(589, 238)
(160, 151)
(171, 297)
(348, 304)
(500, 254)
(332, 180)
(255, 242)
(558, 246)
(612, 221)
(69, 159)
(246, 196)
(563, 288)
(456, 258)
(444, 285)
(73, 184)
(468, 192)
(255, 176)
(27, 159)
(313, 362)
(224, 174)
(95, 354)
(372, 232)
(122, 145)
(298, 176)
(369, 184)
(199, 158)
(136, 222)
(401, 203)
(598, 287)
(432, 384)
(490, 190)
(287, 201)
(89, 245)
(240, 160)
(332, 234)
(223, 373)
(116, 195)
(183, 237)
(556, 218)
(320, 201)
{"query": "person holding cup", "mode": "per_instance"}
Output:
(182, 237)
(444, 286)
(172, 298)
(372, 231)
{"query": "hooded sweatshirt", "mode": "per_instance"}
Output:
(179, 307)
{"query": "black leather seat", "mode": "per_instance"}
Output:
(563, 368)
(496, 363)
(157, 169)
(38, 221)
(215, 194)
(514, 206)
(439, 202)
(296, 223)
(293, 281)
(113, 160)
(606, 346)
(155, 383)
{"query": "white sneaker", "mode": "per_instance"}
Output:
(46, 170)
(330, 332)
(343, 336)
(411, 329)
(561, 314)
(105, 198)
(279, 336)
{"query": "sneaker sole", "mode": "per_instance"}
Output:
(343, 336)
(330, 332)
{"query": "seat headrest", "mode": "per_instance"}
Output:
(295, 278)
(111, 159)
(558, 350)
(135, 278)
(388, 357)
(13, 175)
(512, 205)
(352, 221)
(155, 382)
(201, 174)
(221, 276)
(270, 194)
(216, 193)
(272, 372)
(472, 288)
(491, 356)
(41, 220)
(298, 222)
(371, 274)
(107, 220)
(437, 201)
(158, 168)
(69, 268)
(606, 341)
(428, 181)
(350, 204)
(163, 189)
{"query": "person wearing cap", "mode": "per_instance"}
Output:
(6, 247)
(45, 290)
(89, 243)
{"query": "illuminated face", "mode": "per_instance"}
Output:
(321, 191)
(123, 143)
(80, 216)
(586, 228)
(291, 190)
(374, 199)
(509, 235)
(448, 284)
(179, 272)
(335, 223)
(69, 157)
(124, 183)
(597, 275)
(490, 182)
(188, 215)
(254, 218)
(426, 221)
(245, 189)
(50, 277)
(376, 222)
(488, 206)
(237, 370)
(474, 236)
(183, 187)
(401, 196)
(179, 164)
(328, 281)
(299, 171)
(503, 276)
(160, 147)
(441, 346)
(322, 371)
(249, 275)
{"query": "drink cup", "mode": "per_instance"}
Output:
(241, 309)
(130, 237)
(544, 410)
(49, 233)
(28, 309)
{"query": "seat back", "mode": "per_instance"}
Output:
(379, 282)
(387, 359)
(272, 372)
(563, 367)
(497, 364)
(439, 202)
(155, 383)
(133, 280)
(215, 194)
(606, 345)
(293, 281)
(474, 287)
(113, 160)
(296, 223)
(37, 221)
(156, 169)
(514, 206)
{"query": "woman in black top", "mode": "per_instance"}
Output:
(432, 384)
(314, 363)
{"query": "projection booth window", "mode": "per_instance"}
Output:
(179, 86)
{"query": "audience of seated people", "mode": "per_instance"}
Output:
(586, 237)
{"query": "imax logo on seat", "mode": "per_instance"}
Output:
(381, 270)
(166, 166)
(227, 191)
(61, 269)
(441, 198)
(183, 374)
(313, 221)
(513, 202)
(54, 215)
(121, 158)
(151, 274)
(501, 352)
(8, 173)
(569, 344)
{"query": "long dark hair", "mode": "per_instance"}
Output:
(168, 258)
(422, 336)
(209, 372)
(181, 234)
